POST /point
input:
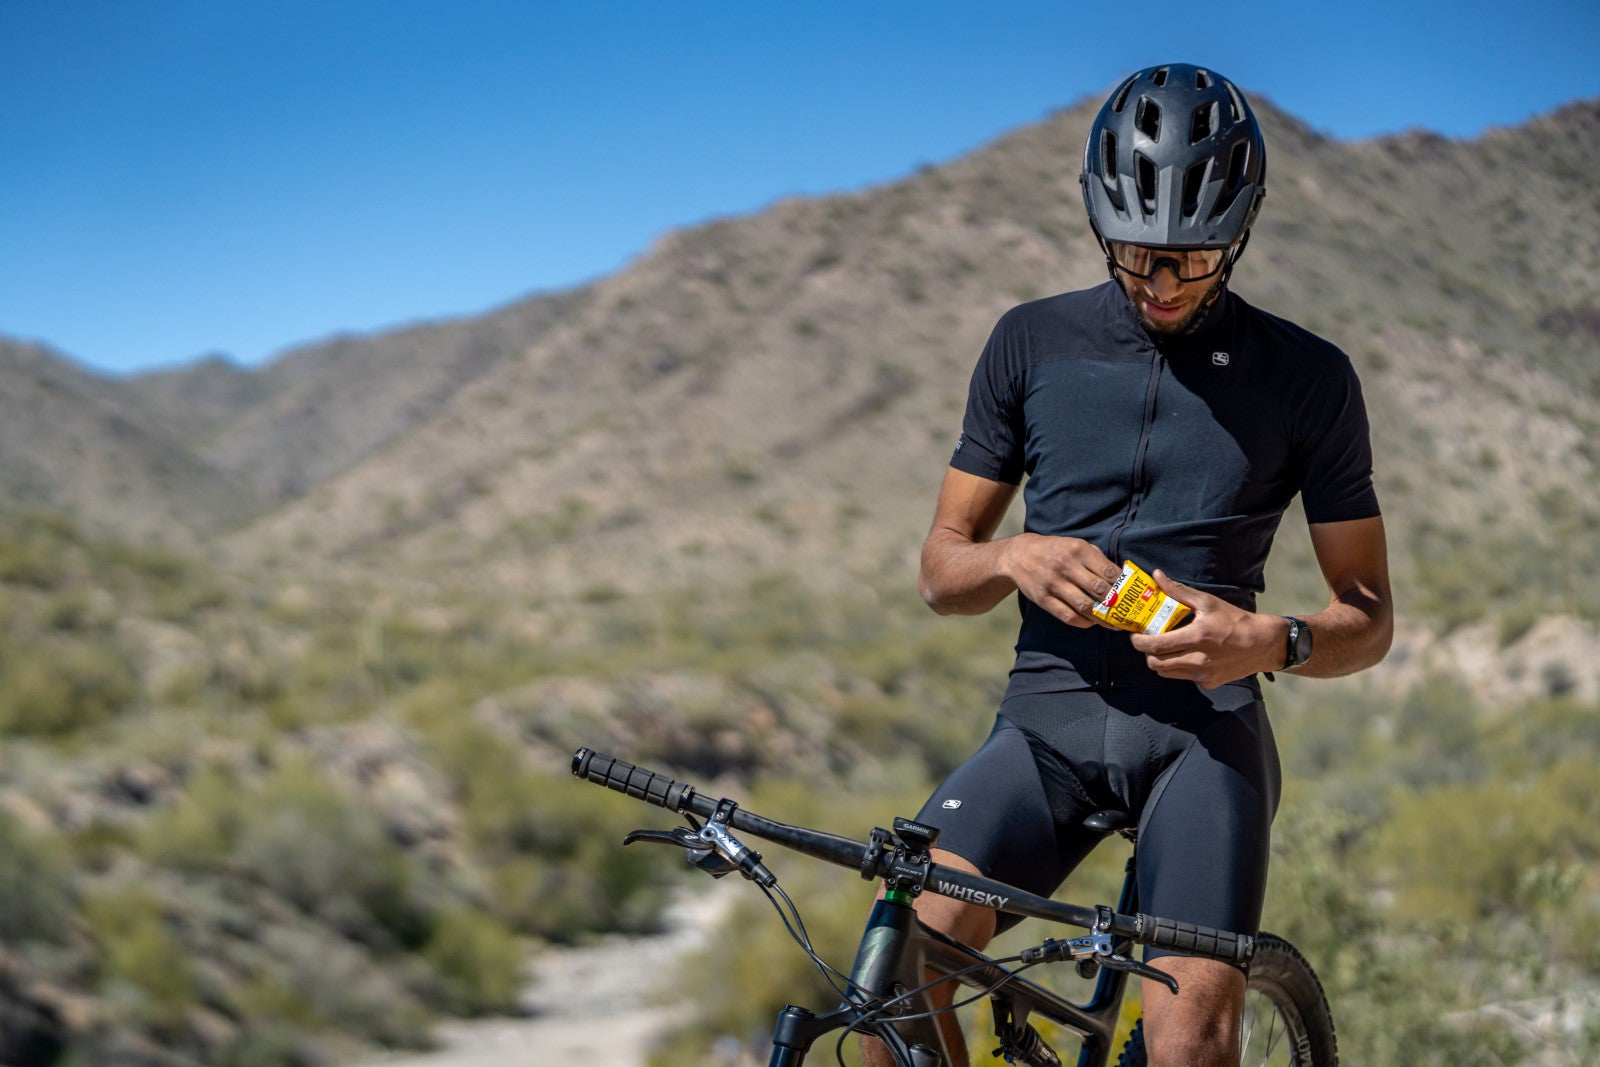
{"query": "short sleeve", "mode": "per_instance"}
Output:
(1334, 443)
(991, 431)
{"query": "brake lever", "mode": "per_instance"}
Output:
(693, 845)
(1118, 962)
(680, 836)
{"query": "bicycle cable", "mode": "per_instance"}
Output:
(881, 1009)
(797, 932)
(796, 929)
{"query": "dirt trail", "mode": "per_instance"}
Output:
(598, 1005)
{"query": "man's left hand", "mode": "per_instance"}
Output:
(1222, 643)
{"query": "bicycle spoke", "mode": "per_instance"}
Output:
(1248, 1027)
(1272, 1035)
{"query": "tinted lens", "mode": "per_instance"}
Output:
(1190, 264)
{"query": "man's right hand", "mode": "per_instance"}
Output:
(1066, 576)
(964, 572)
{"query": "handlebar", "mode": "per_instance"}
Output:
(882, 859)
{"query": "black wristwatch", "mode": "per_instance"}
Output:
(1299, 643)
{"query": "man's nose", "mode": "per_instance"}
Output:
(1165, 279)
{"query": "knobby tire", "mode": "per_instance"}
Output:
(1286, 1018)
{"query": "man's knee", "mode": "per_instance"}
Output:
(1199, 1026)
(970, 924)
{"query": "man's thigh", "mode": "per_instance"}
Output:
(992, 811)
(1205, 840)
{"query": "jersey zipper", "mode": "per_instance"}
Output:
(1135, 490)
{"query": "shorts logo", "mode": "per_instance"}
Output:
(952, 804)
(1220, 358)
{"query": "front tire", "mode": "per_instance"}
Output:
(1286, 1020)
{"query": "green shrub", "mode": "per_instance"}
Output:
(268, 1043)
(35, 885)
(140, 954)
(318, 849)
(302, 977)
(300, 837)
(478, 961)
(60, 686)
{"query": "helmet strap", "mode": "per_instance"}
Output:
(1105, 250)
(1233, 257)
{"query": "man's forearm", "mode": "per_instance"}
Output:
(1351, 634)
(963, 577)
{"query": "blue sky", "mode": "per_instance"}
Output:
(182, 177)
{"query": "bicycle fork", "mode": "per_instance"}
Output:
(884, 972)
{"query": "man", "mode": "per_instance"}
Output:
(1159, 418)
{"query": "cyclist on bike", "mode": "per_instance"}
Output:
(1159, 418)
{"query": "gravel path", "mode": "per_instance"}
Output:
(599, 1005)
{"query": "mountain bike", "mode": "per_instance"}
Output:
(885, 993)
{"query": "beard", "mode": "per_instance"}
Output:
(1177, 327)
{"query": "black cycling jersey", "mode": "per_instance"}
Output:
(1175, 452)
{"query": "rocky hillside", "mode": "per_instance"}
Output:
(787, 383)
(322, 408)
(76, 442)
(781, 390)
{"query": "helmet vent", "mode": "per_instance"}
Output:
(1122, 95)
(1144, 172)
(1203, 122)
(1108, 154)
(1194, 180)
(1148, 118)
(1236, 162)
(1233, 186)
(1235, 103)
(1160, 76)
(1202, 79)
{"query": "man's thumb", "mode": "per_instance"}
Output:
(1183, 594)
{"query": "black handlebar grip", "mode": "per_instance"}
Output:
(637, 782)
(1195, 940)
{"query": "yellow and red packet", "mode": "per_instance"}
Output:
(1137, 605)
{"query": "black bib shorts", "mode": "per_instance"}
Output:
(1197, 767)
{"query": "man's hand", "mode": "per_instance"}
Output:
(1065, 576)
(1222, 644)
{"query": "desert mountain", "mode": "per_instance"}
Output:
(320, 408)
(781, 391)
(76, 442)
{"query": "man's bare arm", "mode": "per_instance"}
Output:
(966, 572)
(1225, 642)
(1356, 628)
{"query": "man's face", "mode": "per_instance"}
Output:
(1164, 304)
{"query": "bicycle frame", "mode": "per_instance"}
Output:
(898, 953)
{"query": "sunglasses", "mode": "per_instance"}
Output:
(1187, 264)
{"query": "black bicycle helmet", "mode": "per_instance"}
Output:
(1175, 159)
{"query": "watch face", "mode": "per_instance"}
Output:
(1301, 635)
